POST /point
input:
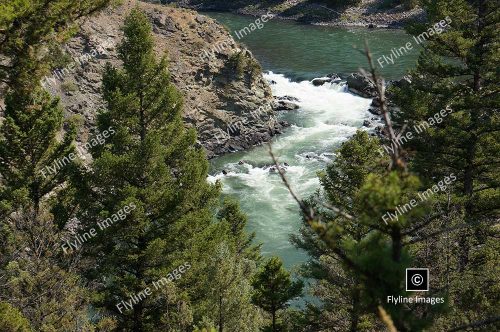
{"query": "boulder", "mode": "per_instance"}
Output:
(289, 98)
(375, 102)
(334, 77)
(360, 85)
(374, 110)
(403, 82)
(321, 80)
(285, 105)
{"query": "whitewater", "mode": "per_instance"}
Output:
(328, 115)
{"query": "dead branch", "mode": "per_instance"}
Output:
(379, 84)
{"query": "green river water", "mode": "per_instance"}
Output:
(291, 55)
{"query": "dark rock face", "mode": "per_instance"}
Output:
(321, 81)
(403, 82)
(231, 108)
(360, 85)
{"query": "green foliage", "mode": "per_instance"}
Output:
(165, 181)
(69, 86)
(227, 300)
(361, 258)
(28, 29)
(337, 285)
(11, 320)
(29, 143)
(38, 281)
(153, 162)
(242, 62)
(274, 288)
(231, 214)
(219, 285)
(458, 71)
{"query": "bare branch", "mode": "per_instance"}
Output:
(308, 212)
(379, 84)
(386, 318)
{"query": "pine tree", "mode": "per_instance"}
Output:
(150, 165)
(36, 279)
(231, 214)
(36, 158)
(336, 285)
(457, 73)
(227, 300)
(226, 254)
(373, 242)
(465, 141)
(274, 289)
(30, 33)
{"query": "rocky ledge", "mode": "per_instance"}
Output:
(226, 97)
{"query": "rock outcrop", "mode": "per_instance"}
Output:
(226, 97)
(360, 85)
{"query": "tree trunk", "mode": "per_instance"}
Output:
(396, 244)
(138, 318)
(274, 320)
(355, 309)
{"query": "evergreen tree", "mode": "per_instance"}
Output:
(373, 240)
(274, 288)
(231, 214)
(336, 285)
(35, 161)
(152, 165)
(30, 33)
(457, 74)
(36, 279)
(227, 300)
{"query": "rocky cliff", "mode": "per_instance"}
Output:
(226, 98)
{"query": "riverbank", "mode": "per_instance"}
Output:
(368, 13)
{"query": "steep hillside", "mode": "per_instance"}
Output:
(226, 98)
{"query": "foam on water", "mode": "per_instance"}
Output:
(328, 115)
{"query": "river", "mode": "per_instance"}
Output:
(291, 55)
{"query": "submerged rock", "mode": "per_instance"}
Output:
(321, 81)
